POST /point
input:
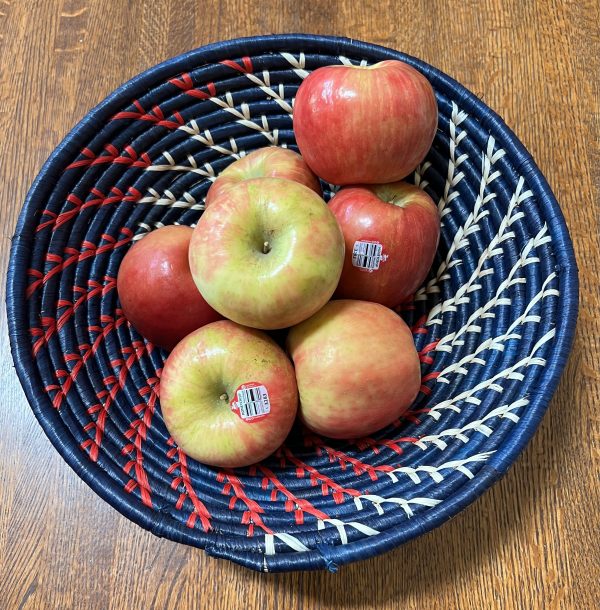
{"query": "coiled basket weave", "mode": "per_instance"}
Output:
(493, 324)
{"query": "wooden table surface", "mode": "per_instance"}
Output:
(533, 541)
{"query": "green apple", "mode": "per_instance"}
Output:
(267, 253)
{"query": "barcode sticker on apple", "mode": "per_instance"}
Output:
(251, 401)
(367, 255)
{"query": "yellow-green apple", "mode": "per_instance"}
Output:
(267, 253)
(228, 395)
(156, 289)
(365, 124)
(268, 162)
(391, 233)
(356, 366)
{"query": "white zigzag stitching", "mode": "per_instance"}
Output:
(147, 227)
(205, 137)
(471, 225)
(349, 62)
(435, 471)
(298, 65)
(265, 85)
(243, 117)
(293, 543)
(484, 311)
(452, 179)
(418, 175)
(207, 172)
(495, 343)
(510, 372)
(167, 199)
(341, 526)
(290, 540)
(479, 425)
(456, 118)
(489, 252)
(404, 503)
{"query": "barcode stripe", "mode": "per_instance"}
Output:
(253, 402)
(366, 255)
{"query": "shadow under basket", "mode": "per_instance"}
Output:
(493, 324)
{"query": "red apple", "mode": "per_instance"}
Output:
(372, 124)
(391, 233)
(228, 395)
(267, 253)
(268, 162)
(356, 366)
(156, 289)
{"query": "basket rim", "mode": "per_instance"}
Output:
(93, 474)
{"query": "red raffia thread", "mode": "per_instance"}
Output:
(245, 67)
(250, 517)
(138, 432)
(419, 328)
(316, 478)
(359, 467)
(155, 116)
(185, 83)
(114, 384)
(423, 354)
(98, 199)
(377, 444)
(86, 352)
(51, 325)
(88, 250)
(200, 511)
(292, 502)
(426, 389)
(411, 416)
(112, 156)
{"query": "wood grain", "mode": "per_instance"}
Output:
(533, 540)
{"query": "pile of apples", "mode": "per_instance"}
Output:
(268, 253)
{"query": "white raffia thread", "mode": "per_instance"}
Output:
(477, 425)
(471, 225)
(497, 342)
(491, 383)
(169, 200)
(435, 472)
(298, 65)
(453, 177)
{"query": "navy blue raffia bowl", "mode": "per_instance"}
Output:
(493, 323)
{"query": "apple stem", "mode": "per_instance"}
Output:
(266, 247)
(223, 396)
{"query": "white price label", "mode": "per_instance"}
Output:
(367, 255)
(252, 402)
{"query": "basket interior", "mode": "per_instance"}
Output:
(487, 323)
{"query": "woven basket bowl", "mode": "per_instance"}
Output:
(493, 323)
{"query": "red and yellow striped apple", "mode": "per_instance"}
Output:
(391, 233)
(356, 366)
(268, 162)
(228, 395)
(267, 253)
(370, 124)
